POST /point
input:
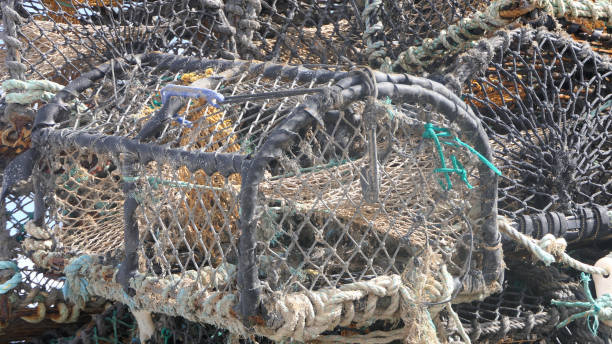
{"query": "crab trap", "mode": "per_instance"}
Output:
(242, 200)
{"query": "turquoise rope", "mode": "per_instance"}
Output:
(430, 133)
(166, 334)
(457, 168)
(475, 152)
(75, 287)
(600, 308)
(13, 281)
(433, 132)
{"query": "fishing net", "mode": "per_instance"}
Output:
(265, 213)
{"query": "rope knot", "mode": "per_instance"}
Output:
(552, 245)
(75, 286)
(600, 308)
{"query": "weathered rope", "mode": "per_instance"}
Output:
(13, 281)
(75, 287)
(373, 36)
(243, 15)
(11, 20)
(302, 316)
(35, 90)
(597, 309)
(548, 249)
(498, 15)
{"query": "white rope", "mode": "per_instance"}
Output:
(302, 315)
(548, 249)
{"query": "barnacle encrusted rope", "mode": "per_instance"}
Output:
(597, 309)
(548, 249)
(498, 15)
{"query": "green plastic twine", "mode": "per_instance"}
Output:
(166, 334)
(388, 108)
(475, 152)
(13, 281)
(600, 308)
(430, 133)
(433, 132)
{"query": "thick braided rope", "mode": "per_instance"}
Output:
(374, 30)
(29, 91)
(243, 14)
(304, 315)
(548, 249)
(11, 19)
(415, 58)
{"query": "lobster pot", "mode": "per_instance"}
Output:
(358, 191)
(186, 216)
(372, 178)
(546, 107)
(320, 222)
(60, 40)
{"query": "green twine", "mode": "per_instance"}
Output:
(602, 108)
(388, 108)
(13, 281)
(433, 132)
(166, 334)
(430, 320)
(600, 308)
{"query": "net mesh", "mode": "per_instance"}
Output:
(323, 216)
(546, 106)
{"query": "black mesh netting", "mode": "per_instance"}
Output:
(546, 102)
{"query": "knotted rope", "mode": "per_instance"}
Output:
(501, 13)
(597, 309)
(75, 286)
(548, 249)
(301, 316)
